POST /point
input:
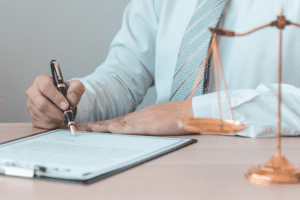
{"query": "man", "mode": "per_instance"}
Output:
(163, 43)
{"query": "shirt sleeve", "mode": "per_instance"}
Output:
(119, 85)
(255, 108)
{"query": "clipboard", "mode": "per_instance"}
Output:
(115, 156)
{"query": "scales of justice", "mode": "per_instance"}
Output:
(278, 169)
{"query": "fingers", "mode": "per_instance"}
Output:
(161, 120)
(44, 108)
(75, 90)
(50, 117)
(41, 120)
(45, 103)
(128, 129)
(46, 87)
(37, 122)
(118, 125)
(41, 96)
(153, 120)
(102, 126)
(133, 123)
(64, 125)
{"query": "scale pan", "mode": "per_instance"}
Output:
(214, 126)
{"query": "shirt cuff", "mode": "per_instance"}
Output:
(204, 106)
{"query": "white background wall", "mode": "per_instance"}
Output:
(76, 33)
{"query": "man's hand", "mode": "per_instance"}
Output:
(45, 103)
(160, 119)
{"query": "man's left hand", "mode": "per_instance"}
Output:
(159, 119)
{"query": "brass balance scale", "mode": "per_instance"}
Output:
(278, 169)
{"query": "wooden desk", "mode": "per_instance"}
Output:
(213, 168)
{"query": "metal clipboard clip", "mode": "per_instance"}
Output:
(14, 168)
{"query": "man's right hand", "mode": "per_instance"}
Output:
(45, 103)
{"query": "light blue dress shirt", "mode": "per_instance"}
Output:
(144, 54)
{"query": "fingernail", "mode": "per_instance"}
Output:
(63, 105)
(73, 96)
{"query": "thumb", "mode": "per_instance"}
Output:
(75, 90)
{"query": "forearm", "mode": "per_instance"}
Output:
(118, 86)
(103, 99)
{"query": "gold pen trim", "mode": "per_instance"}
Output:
(68, 111)
(71, 123)
(57, 70)
(61, 85)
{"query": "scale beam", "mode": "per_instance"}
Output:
(278, 169)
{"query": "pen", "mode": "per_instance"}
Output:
(60, 85)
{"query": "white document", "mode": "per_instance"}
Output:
(87, 155)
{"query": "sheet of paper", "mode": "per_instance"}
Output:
(84, 156)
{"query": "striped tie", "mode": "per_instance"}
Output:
(194, 47)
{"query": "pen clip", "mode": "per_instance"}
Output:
(57, 70)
